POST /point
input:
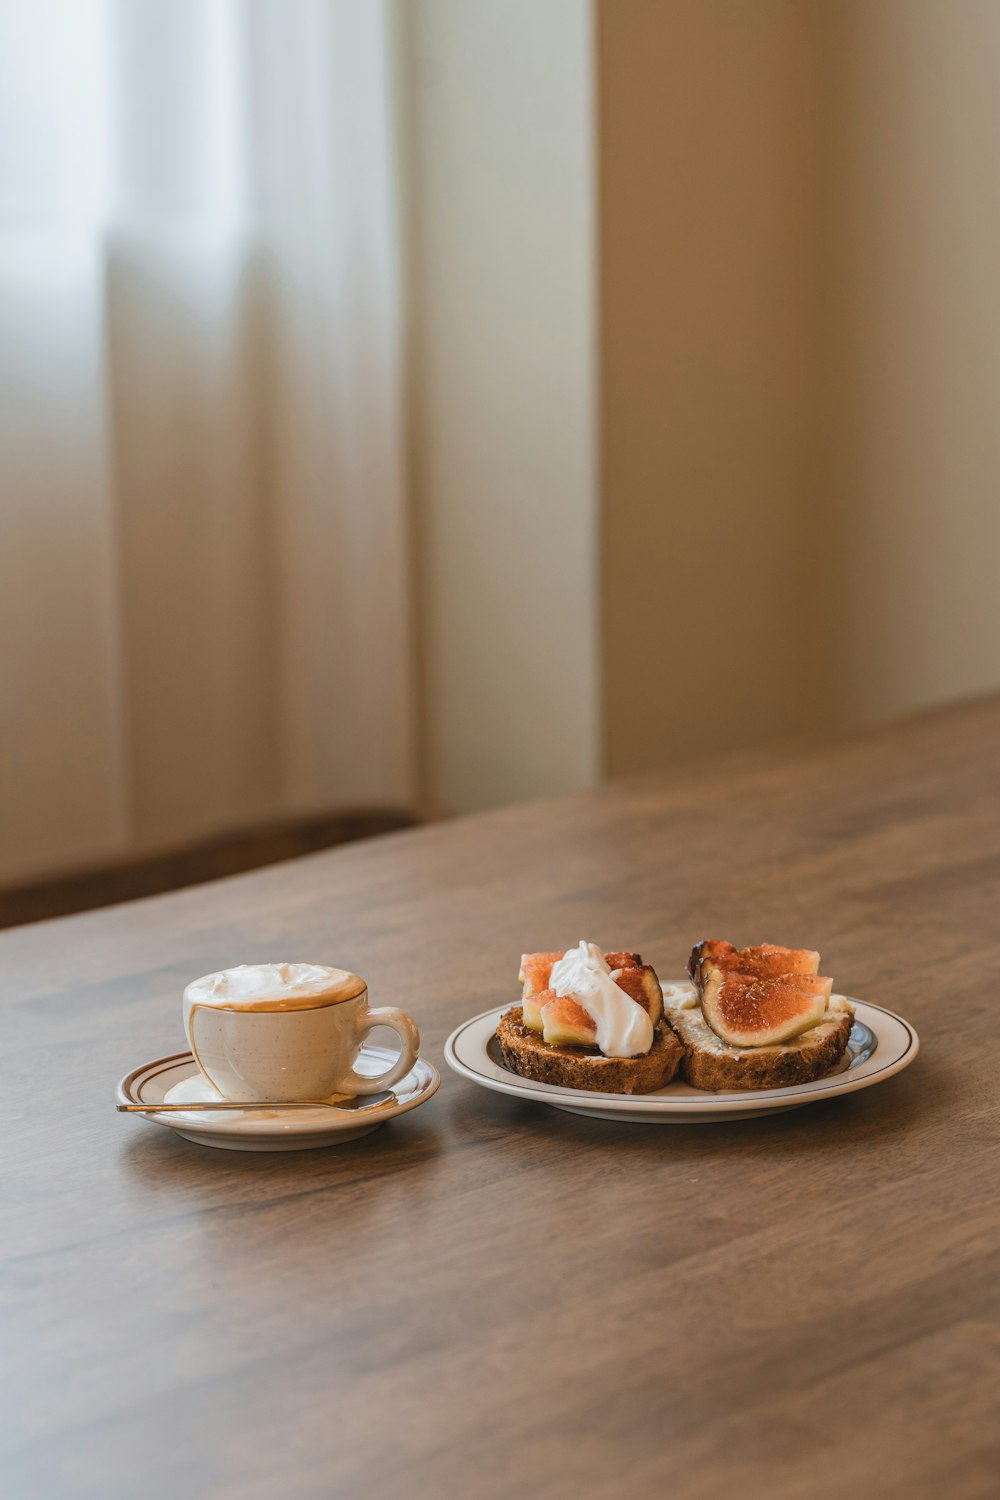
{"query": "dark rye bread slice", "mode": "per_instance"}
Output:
(710, 1063)
(526, 1054)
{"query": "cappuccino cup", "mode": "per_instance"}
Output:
(264, 1032)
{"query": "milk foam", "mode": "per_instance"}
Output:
(274, 987)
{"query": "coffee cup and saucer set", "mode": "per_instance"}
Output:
(280, 1060)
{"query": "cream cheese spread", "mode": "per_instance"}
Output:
(623, 1027)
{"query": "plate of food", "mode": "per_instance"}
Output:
(749, 1031)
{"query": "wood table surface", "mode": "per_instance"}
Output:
(489, 1298)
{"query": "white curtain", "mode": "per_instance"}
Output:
(204, 615)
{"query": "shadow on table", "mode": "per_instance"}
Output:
(160, 1162)
(898, 1115)
(923, 1098)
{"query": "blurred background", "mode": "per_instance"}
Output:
(412, 406)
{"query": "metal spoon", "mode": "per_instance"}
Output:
(349, 1105)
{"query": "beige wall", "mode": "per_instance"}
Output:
(709, 276)
(497, 125)
(911, 455)
(800, 364)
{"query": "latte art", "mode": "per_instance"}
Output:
(274, 987)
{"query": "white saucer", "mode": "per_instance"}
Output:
(881, 1044)
(178, 1080)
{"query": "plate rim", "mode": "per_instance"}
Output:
(743, 1100)
(284, 1126)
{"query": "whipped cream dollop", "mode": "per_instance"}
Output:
(274, 987)
(623, 1027)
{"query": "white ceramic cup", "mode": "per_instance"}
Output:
(289, 1031)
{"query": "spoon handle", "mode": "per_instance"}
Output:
(163, 1109)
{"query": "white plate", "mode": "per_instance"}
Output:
(881, 1044)
(178, 1080)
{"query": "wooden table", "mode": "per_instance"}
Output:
(489, 1298)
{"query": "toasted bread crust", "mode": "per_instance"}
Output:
(526, 1054)
(718, 1067)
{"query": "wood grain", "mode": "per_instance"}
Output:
(488, 1298)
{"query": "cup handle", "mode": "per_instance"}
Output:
(409, 1039)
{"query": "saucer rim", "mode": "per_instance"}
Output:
(288, 1124)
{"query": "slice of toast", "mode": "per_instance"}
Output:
(526, 1054)
(710, 1063)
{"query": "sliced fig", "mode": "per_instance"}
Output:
(767, 961)
(642, 985)
(623, 960)
(536, 970)
(709, 952)
(747, 1011)
(565, 1023)
(637, 979)
(531, 1008)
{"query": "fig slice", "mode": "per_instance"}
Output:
(565, 1023)
(531, 1009)
(640, 984)
(636, 978)
(623, 961)
(747, 1011)
(536, 969)
(767, 961)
